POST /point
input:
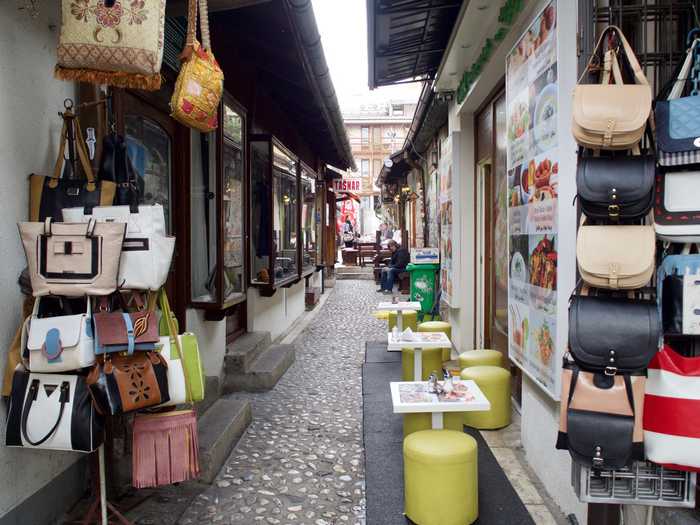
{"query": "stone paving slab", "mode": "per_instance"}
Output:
(301, 460)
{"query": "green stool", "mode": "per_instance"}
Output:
(416, 422)
(494, 382)
(410, 319)
(440, 478)
(439, 326)
(431, 360)
(480, 358)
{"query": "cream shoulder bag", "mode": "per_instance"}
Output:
(611, 116)
(616, 257)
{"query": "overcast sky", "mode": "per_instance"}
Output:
(343, 28)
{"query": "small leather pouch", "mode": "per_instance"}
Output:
(611, 335)
(125, 332)
(126, 383)
(600, 420)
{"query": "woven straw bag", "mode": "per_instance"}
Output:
(114, 42)
(200, 84)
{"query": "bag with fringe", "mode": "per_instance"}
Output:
(166, 444)
(114, 42)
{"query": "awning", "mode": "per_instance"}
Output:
(407, 38)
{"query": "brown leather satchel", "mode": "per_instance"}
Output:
(125, 332)
(125, 383)
(611, 116)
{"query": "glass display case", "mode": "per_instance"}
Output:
(309, 220)
(217, 261)
(275, 216)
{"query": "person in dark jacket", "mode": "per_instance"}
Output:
(399, 260)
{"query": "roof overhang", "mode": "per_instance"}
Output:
(179, 7)
(406, 39)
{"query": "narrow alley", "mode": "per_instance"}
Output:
(301, 460)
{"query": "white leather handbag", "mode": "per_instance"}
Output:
(52, 411)
(62, 343)
(176, 374)
(147, 251)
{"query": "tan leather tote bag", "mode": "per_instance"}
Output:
(616, 257)
(611, 116)
(73, 259)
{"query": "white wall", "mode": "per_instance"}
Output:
(29, 128)
(275, 314)
(211, 338)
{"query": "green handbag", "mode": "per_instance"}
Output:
(185, 346)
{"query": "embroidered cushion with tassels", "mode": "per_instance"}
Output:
(114, 42)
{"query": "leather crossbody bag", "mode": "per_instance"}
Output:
(611, 116)
(72, 259)
(678, 293)
(611, 336)
(616, 189)
(125, 383)
(125, 332)
(52, 411)
(600, 419)
(147, 251)
(616, 257)
(59, 336)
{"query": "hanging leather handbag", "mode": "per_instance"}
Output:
(678, 293)
(200, 83)
(613, 336)
(147, 251)
(616, 188)
(125, 332)
(49, 195)
(182, 355)
(53, 412)
(600, 418)
(116, 166)
(671, 405)
(612, 116)
(112, 42)
(59, 335)
(678, 117)
(616, 257)
(126, 383)
(72, 259)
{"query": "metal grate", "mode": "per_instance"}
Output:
(656, 31)
(642, 484)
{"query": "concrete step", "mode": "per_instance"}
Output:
(241, 354)
(355, 272)
(264, 372)
(212, 392)
(355, 276)
(219, 431)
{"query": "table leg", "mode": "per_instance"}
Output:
(437, 420)
(418, 364)
(399, 320)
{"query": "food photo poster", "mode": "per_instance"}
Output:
(532, 94)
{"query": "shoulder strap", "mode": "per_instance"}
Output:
(191, 24)
(175, 340)
(683, 74)
(630, 393)
(204, 24)
(639, 76)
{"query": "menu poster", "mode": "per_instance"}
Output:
(532, 94)
(447, 224)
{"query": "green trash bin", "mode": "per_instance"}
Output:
(423, 279)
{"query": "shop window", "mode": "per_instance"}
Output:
(150, 147)
(364, 168)
(216, 212)
(397, 110)
(308, 220)
(365, 136)
(275, 209)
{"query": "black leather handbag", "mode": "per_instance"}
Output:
(600, 420)
(610, 335)
(616, 188)
(116, 166)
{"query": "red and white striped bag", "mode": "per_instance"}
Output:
(672, 411)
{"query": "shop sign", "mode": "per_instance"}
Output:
(532, 95)
(449, 224)
(347, 185)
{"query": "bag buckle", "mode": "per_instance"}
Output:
(614, 211)
(598, 460)
(610, 370)
(73, 191)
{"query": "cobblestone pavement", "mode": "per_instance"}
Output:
(301, 460)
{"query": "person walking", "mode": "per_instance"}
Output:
(348, 233)
(397, 264)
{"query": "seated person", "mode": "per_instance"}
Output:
(399, 260)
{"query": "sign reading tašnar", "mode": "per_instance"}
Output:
(347, 185)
